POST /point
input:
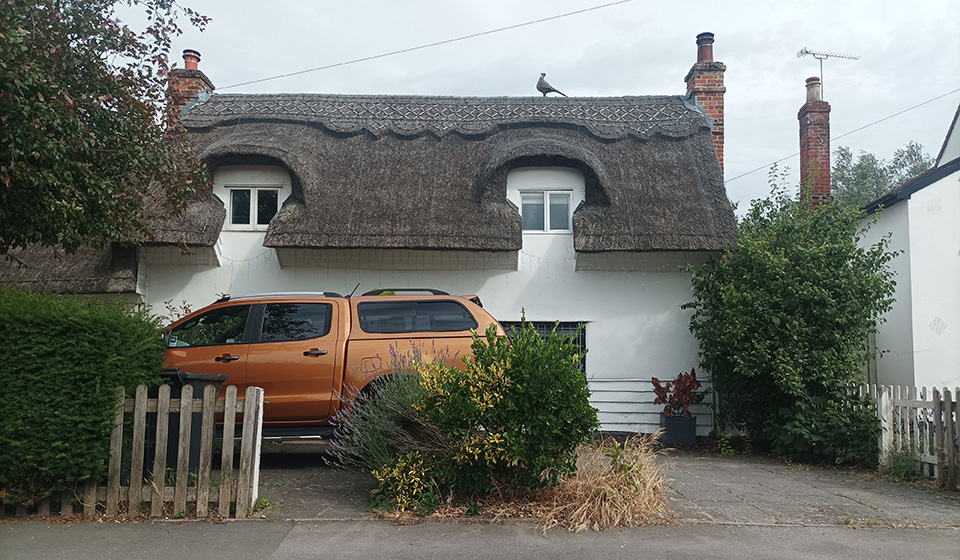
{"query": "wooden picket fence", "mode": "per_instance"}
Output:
(167, 492)
(923, 422)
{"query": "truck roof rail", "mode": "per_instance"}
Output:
(279, 295)
(381, 291)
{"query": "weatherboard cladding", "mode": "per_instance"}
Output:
(430, 172)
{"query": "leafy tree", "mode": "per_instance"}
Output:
(85, 140)
(782, 322)
(860, 179)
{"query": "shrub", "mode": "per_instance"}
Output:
(782, 323)
(512, 417)
(381, 424)
(515, 415)
(63, 361)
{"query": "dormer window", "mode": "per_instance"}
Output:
(546, 197)
(254, 206)
(546, 210)
(252, 194)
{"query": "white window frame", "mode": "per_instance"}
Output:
(229, 178)
(255, 190)
(545, 198)
(544, 181)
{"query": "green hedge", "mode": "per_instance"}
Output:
(63, 359)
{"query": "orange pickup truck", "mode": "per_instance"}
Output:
(309, 351)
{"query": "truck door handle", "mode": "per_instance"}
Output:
(314, 353)
(226, 358)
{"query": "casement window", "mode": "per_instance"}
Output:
(546, 198)
(254, 206)
(251, 194)
(547, 211)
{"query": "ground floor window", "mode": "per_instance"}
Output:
(564, 328)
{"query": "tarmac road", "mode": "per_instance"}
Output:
(375, 540)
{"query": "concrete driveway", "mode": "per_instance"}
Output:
(707, 490)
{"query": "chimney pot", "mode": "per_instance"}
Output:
(191, 59)
(813, 89)
(705, 47)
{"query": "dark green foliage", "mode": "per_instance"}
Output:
(83, 145)
(860, 179)
(63, 360)
(783, 322)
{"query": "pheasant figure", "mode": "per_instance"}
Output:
(544, 87)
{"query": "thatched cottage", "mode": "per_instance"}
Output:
(578, 210)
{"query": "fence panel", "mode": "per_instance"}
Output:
(921, 423)
(177, 492)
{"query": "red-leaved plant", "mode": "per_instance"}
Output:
(677, 395)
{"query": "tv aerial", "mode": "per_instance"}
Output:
(823, 55)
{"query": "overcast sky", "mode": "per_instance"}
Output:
(909, 54)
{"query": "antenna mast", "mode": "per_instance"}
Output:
(823, 55)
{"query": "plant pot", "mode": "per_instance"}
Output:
(678, 431)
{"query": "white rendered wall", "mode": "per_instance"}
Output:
(935, 263)
(922, 332)
(635, 327)
(895, 335)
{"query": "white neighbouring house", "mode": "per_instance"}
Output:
(921, 335)
(578, 210)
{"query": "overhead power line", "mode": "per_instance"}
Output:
(429, 45)
(876, 122)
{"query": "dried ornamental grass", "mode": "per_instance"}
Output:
(616, 485)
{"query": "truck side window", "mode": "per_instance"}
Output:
(219, 326)
(414, 316)
(295, 321)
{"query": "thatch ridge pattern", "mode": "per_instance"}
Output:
(609, 118)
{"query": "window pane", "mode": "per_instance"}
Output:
(531, 211)
(444, 316)
(266, 206)
(220, 326)
(559, 211)
(295, 321)
(414, 316)
(240, 206)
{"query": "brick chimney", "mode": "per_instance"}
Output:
(187, 82)
(815, 145)
(705, 82)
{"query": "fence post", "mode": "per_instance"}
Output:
(206, 450)
(249, 478)
(226, 457)
(950, 443)
(136, 456)
(183, 451)
(885, 415)
(160, 452)
(116, 452)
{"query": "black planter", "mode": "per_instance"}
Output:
(678, 431)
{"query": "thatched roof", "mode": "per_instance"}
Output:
(106, 270)
(430, 172)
